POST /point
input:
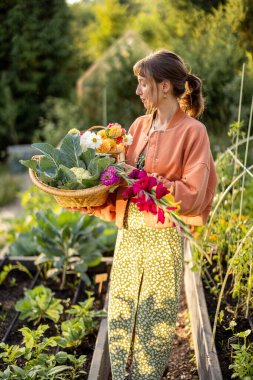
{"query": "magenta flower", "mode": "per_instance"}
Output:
(134, 174)
(137, 174)
(145, 183)
(161, 190)
(160, 216)
(144, 203)
(109, 176)
(128, 193)
(142, 173)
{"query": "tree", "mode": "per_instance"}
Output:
(35, 61)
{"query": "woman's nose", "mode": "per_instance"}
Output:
(138, 92)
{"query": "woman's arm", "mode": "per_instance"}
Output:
(192, 187)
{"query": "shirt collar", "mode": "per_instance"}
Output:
(178, 115)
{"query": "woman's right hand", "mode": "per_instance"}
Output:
(82, 210)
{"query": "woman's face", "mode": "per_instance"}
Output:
(144, 91)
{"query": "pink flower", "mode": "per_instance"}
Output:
(109, 176)
(161, 190)
(160, 216)
(145, 204)
(171, 208)
(111, 124)
(134, 174)
(142, 173)
(123, 130)
(145, 183)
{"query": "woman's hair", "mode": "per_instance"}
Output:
(162, 65)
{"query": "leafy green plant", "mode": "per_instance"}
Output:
(242, 357)
(59, 166)
(37, 363)
(10, 267)
(82, 322)
(11, 183)
(72, 333)
(69, 242)
(39, 304)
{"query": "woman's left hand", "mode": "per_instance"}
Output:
(128, 168)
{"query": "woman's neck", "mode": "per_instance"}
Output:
(165, 112)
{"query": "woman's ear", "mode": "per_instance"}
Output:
(166, 85)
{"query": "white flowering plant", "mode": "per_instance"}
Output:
(78, 163)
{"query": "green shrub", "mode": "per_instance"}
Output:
(9, 189)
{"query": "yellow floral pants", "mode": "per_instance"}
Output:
(146, 279)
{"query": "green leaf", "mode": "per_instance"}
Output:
(31, 164)
(58, 369)
(48, 167)
(81, 267)
(85, 279)
(61, 357)
(90, 182)
(67, 174)
(87, 156)
(49, 151)
(71, 150)
(24, 245)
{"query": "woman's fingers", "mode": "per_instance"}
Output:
(83, 210)
(128, 167)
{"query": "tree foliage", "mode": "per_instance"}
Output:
(34, 62)
(46, 46)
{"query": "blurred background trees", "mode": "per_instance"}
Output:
(47, 47)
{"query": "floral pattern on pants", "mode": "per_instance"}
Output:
(145, 286)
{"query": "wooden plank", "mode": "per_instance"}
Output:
(100, 365)
(207, 359)
(28, 261)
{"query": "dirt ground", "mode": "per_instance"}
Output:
(181, 364)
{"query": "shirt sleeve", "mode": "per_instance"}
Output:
(191, 189)
(107, 211)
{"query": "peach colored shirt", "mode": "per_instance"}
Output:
(182, 157)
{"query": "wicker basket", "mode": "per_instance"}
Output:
(93, 196)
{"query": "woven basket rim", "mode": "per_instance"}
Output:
(62, 192)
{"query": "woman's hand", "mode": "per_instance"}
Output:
(128, 168)
(82, 210)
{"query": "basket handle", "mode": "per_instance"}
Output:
(95, 127)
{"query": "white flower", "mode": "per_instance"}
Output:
(128, 139)
(90, 140)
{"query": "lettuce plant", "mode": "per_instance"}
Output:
(39, 304)
(69, 167)
(83, 321)
(31, 360)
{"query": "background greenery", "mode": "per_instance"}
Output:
(46, 46)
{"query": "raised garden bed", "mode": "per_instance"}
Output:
(207, 358)
(12, 290)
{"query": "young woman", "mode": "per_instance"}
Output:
(147, 272)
